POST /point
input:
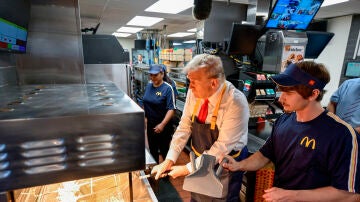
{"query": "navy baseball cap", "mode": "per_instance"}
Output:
(164, 68)
(155, 68)
(293, 76)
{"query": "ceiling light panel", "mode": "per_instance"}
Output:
(190, 41)
(129, 29)
(170, 6)
(144, 21)
(192, 30)
(180, 34)
(332, 2)
(117, 34)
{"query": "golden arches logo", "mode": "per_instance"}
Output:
(158, 93)
(308, 142)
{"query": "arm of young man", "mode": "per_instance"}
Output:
(252, 163)
(325, 194)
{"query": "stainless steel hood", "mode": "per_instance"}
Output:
(56, 133)
(54, 50)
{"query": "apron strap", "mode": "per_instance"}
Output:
(195, 110)
(214, 117)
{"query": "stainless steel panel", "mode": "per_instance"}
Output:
(276, 40)
(8, 75)
(109, 73)
(54, 49)
(251, 14)
(217, 27)
(56, 133)
(273, 51)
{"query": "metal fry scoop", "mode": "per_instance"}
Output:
(205, 180)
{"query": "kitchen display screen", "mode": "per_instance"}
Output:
(12, 37)
(293, 14)
(352, 69)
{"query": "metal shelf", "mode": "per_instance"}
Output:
(178, 80)
(180, 104)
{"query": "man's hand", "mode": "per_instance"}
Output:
(161, 168)
(277, 194)
(231, 165)
(178, 171)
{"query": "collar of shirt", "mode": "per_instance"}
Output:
(213, 99)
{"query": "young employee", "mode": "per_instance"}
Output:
(316, 154)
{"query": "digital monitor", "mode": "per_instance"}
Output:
(12, 37)
(352, 69)
(292, 14)
(243, 39)
(317, 42)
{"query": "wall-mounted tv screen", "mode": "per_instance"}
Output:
(317, 42)
(293, 14)
(352, 69)
(12, 37)
(243, 39)
(14, 22)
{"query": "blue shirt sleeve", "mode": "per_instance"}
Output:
(336, 95)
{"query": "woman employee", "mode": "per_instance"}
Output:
(159, 106)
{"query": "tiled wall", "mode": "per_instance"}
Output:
(350, 48)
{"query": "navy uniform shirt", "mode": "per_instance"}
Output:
(157, 101)
(318, 153)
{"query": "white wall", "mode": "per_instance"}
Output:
(127, 44)
(333, 54)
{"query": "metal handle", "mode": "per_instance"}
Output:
(220, 168)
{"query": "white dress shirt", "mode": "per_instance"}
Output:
(232, 122)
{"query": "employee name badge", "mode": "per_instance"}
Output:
(291, 54)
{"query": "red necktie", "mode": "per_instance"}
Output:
(203, 112)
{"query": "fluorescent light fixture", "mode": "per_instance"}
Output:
(190, 41)
(332, 2)
(180, 34)
(192, 30)
(177, 44)
(170, 6)
(144, 21)
(262, 14)
(118, 34)
(129, 29)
